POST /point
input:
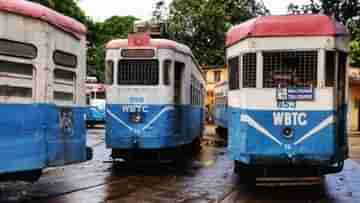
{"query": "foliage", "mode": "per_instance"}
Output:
(347, 12)
(99, 33)
(112, 28)
(202, 24)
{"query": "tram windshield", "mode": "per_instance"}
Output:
(138, 72)
(290, 69)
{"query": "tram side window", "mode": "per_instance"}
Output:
(249, 70)
(109, 72)
(290, 69)
(62, 58)
(166, 72)
(17, 49)
(234, 73)
(16, 82)
(330, 68)
(64, 88)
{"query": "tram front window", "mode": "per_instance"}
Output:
(290, 69)
(138, 72)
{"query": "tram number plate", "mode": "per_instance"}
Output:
(286, 104)
(295, 94)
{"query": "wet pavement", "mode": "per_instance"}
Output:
(208, 177)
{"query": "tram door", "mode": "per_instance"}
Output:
(178, 89)
(179, 69)
(341, 99)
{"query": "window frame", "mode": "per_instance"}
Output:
(60, 63)
(166, 80)
(112, 72)
(234, 75)
(21, 43)
(153, 84)
(280, 52)
(246, 70)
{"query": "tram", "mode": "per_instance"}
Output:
(96, 101)
(42, 90)
(155, 98)
(220, 110)
(288, 95)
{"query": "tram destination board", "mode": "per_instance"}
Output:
(295, 94)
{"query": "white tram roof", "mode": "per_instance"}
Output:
(143, 40)
(285, 26)
(37, 11)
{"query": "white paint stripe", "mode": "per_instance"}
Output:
(166, 109)
(328, 121)
(119, 120)
(247, 119)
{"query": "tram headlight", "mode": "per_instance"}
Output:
(136, 117)
(288, 132)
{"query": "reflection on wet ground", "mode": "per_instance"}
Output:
(208, 177)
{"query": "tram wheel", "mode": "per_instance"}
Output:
(196, 145)
(246, 173)
(26, 176)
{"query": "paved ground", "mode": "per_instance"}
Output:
(206, 178)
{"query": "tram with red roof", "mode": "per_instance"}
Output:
(42, 90)
(96, 101)
(155, 99)
(288, 96)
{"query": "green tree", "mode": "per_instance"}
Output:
(112, 28)
(99, 33)
(202, 24)
(345, 11)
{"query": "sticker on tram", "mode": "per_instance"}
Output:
(286, 104)
(290, 119)
(135, 108)
(295, 94)
(66, 122)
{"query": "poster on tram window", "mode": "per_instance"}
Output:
(66, 122)
(295, 94)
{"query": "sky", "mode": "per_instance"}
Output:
(100, 10)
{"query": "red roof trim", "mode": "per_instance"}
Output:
(285, 26)
(152, 43)
(43, 13)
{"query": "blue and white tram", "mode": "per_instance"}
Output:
(155, 98)
(220, 110)
(288, 95)
(42, 90)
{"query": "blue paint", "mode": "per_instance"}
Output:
(221, 115)
(95, 115)
(171, 126)
(32, 137)
(246, 142)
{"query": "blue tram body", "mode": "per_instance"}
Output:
(42, 90)
(155, 102)
(34, 136)
(221, 115)
(162, 126)
(95, 115)
(287, 100)
(259, 140)
(96, 101)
